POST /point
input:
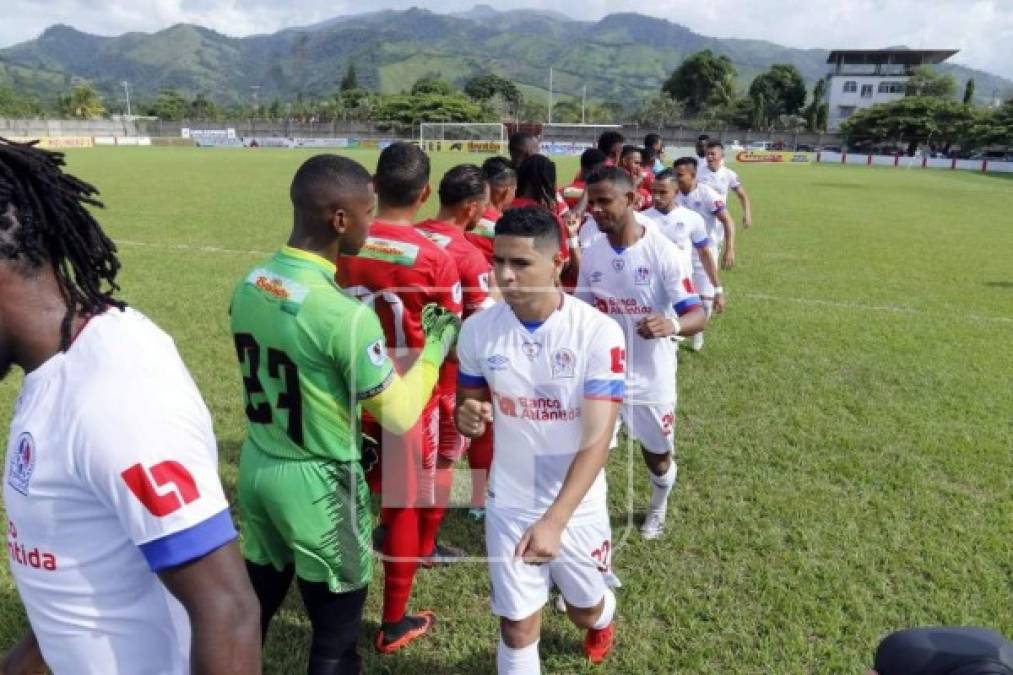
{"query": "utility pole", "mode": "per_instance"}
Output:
(583, 106)
(126, 91)
(550, 94)
(255, 88)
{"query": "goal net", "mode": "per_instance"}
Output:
(463, 137)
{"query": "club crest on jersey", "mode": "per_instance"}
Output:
(497, 362)
(21, 463)
(564, 363)
(376, 353)
(531, 350)
(595, 277)
(618, 264)
(642, 275)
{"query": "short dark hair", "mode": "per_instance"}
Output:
(609, 139)
(665, 174)
(591, 158)
(629, 150)
(402, 173)
(647, 154)
(714, 144)
(702, 137)
(518, 140)
(536, 179)
(499, 171)
(530, 221)
(610, 174)
(686, 161)
(651, 139)
(325, 172)
(462, 183)
(43, 220)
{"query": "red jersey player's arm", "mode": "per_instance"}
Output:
(223, 611)
(24, 658)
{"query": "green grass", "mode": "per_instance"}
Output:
(846, 435)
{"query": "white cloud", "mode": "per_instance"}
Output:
(981, 29)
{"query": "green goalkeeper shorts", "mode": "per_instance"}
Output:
(312, 513)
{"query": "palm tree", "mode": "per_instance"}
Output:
(82, 103)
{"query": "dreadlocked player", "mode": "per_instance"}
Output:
(118, 531)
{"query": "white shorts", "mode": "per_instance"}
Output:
(701, 282)
(652, 425)
(582, 571)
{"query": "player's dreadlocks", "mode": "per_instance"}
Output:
(536, 179)
(43, 220)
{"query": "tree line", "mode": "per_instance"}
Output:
(701, 89)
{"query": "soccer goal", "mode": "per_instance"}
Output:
(462, 137)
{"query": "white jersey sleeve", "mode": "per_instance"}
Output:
(733, 179)
(606, 364)
(677, 279)
(469, 368)
(156, 468)
(712, 200)
(697, 229)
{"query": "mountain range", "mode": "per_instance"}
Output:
(620, 57)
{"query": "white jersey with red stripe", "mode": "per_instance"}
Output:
(722, 180)
(629, 284)
(684, 228)
(538, 377)
(111, 477)
(706, 201)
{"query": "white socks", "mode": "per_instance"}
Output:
(708, 306)
(608, 611)
(523, 661)
(661, 487)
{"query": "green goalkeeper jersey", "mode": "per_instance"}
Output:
(308, 354)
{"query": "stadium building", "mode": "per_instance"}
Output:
(861, 78)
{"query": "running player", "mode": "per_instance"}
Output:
(399, 271)
(120, 540)
(686, 229)
(631, 161)
(502, 180)
(701, 145)
(718, 176)
(711, 207)
(552, 367)
(636, 276)
(464, 194)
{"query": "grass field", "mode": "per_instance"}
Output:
(846, 435)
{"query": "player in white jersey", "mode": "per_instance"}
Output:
(686, 229)
(720, 226)
(590, 232)
(637, 276)
(548, 371)
(718, 176)
(118, 532)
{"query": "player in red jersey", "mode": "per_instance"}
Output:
(464, 194)
(502, 180)
(611, 143)
(536, 186)
(399, 271)
(574, 192)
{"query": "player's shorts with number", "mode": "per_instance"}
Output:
(652, 425)
(310, 513)
(581, 570)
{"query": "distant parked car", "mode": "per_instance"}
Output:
(736, 145)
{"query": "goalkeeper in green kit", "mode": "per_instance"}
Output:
(309, 356)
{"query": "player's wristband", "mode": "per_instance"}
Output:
(675, 325)
(718, 290)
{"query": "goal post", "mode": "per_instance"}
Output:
(482, 137)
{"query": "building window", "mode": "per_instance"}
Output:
(891, 88)
(845, 111)
(850, 87)
(866, 91)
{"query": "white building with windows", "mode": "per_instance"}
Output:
(860, 78)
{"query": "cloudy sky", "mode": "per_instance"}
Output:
(981, 29)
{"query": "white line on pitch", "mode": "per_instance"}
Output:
(187, 247)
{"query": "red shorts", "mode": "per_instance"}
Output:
(401, 468)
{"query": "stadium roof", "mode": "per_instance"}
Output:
(903, 57)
